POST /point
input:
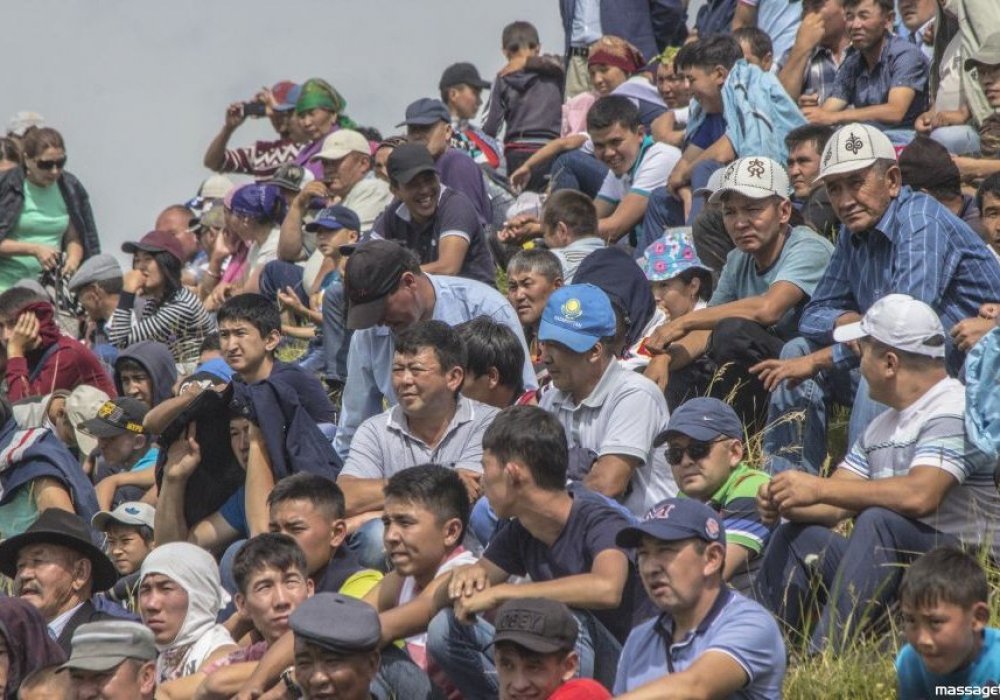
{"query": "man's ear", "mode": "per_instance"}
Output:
(493, 377)
(455, 377)
(240, 600)
(980, 616)
(83, 574)
(338, 533)
(272, 340)
(452, 532)
(147, 678)
(894, 176)
(570, 665)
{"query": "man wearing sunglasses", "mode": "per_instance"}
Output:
(704, 441)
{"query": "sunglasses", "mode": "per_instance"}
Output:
(51, 164)
(696, 449)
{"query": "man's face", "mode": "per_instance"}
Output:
(834, 19)
(464, 101)
(329, 675)
(991, 219)
(497, 485)
(480, 387)
(244, 348)
(569, 370)
(420, 195)
(136, 383)
(860, 198)
(528, 291)
(60, 421)
(328, 240)
(90, 297)
(311, 529)
(700, 479)
(705, 85)
(178, 222)
(163, 605)
(874, 368)
(129, 680)
(617, 147)
(423, 387)
(944, 634)
(803, 167)
(527, 675)
(7, 326)
(381, 161)
(239, 439)
(434, 136)
(673, 573)
(126, 548)
(672, 86)
(916, 13)
(344, 173)
(415, 539)
(49, 577)
(989, 78)
(118, 450)
(271, 596)
(403, 307)
(754, 224)
(867, 24)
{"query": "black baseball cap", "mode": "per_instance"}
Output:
(373, 272)
(538, 624)
(424, 112)
(117, 417)
(409, 160)
(462, 74)
(335, 218)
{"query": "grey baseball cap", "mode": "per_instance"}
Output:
(100, 646)
(988, 53)
(98, 268)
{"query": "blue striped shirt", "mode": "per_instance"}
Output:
(918, 248)
(820, 74)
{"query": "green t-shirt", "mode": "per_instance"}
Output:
(44, 221)
(736, 502)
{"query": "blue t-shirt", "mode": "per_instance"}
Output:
(916, 682)
(147, 460)
(709, 131)
(234, 512)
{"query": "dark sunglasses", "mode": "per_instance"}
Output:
(696, 449)
(51, 164)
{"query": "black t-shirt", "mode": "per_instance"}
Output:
(590, 530)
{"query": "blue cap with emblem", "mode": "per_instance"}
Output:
(577, 316)
(675, 519)
(703, 418)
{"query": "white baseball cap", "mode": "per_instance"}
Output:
(81, 404)
(128, 513)
(854, 147)
(756, 177)
(901, 322)
(714, 182)
(216, 187)
(341, 142)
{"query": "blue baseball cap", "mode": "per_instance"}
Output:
(675, 519)
(704, 419)
(577, 316)
(335, 218)
(424, 112)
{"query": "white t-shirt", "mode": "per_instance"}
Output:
(651, 169)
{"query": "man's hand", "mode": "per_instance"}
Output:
(46, 255)
(467, 580)
(519, 178)
(990, 311)
(72, 262)
(234, 116)
(134, 281)
(795, 370)
(817, 115)
(105, 490)
(766, 507)
(664, 335)
(924, 123)
(521, 228)
(680, 177)
(24, 336)
(183, 457)
(473, 482)
(808, 99)
(313, 189)
(811, 31)
(658, 371)
(970, 331)
(468, 607)
(290, 300)
(795, 489)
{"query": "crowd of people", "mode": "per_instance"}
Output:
(538, 406)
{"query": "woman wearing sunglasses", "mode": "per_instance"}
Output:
(44, 213)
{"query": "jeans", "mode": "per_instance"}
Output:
(279, 274)
(576, 170)
(461, 652)
(366, 543)
(849, 581)
(399, 677)
(900, 137)
(795, 437)
(960, 140)
(336, 336)
(663, 211)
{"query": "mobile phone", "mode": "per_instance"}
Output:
(254, 109)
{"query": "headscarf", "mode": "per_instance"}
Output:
(258, 201)
(29, 645)
(48, 331)
(194, 570)
(316, 92)
(615, 51)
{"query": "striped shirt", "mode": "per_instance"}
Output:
(918, 248)
(931, 433)
(181, 324)
(262, 159)
(820, 73)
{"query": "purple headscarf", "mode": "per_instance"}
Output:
(29, 645)
(259, 201)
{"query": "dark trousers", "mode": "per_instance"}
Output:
(539, 176)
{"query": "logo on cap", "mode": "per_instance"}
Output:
(132, 510)
(756, 168)
(572, 309)
(660, 512)
(854, 144)
(712, 528)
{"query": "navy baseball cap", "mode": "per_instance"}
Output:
(577, 316)
(335, 218)
(675, 519)
(703, 419)
(424, 112)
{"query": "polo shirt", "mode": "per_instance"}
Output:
(621, 416)
(455, 216)
(459, 172)
(802, 261)
(653, 165)
(572, 255)
(369, 360)
(735, 625)
(736, 504)
(901, 64)
(384, 445)
(915, 681)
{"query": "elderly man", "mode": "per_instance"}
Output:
(97, 284)
(892, 240)
(112, 660)
(57, 568)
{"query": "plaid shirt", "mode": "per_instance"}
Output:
(820, 73)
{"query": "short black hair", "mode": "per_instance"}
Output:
(944, 575)
(759, 41)
(436, 488)
(437, 335)
(144, 531)
(818, 134)
(705, 290)
(714, 50)
(211, 342)
(535, 437)
(519, 35)
(491, 344)
(322, 492)
(267, 550)
(990, 185)
(613, 109)
(573, 208)
(255, 309)
(887, 6)
(15, 299)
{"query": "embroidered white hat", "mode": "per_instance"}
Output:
(756, 177)
(854, 147)
(901, 322)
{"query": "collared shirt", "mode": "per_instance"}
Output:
(621, 416)
(384, 445)
(779, 19)
(572, 255)
(57, 625)
(918, 248)
(735, 626)
(900, 64)
(586, 27)
(369, 361)
(820, 74)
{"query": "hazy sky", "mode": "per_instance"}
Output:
(138, 88)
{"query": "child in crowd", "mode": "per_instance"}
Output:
(758, 50)
(128, 531)
(944, 597)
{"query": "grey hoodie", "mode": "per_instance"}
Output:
(529, 101)
(159, 363)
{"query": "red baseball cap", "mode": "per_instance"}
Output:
(156, 242)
